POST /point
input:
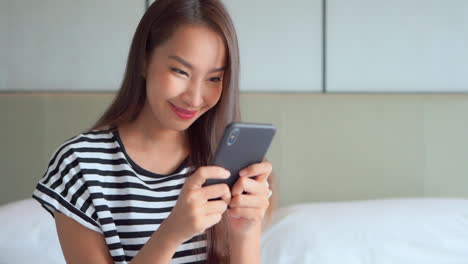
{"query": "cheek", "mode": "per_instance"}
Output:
(213, 95)
(164, 85)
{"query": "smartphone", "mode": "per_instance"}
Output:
(242, 144)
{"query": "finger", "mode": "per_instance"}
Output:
(250, 186)
(197, 179)
(261, 170)
(216, 191)
(254, 214)
(215, 207)
(249, 201)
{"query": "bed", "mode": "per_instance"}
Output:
(388, 231)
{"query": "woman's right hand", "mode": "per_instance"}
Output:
(193, 213)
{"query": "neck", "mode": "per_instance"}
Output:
(148, 134)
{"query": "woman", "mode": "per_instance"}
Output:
(130, 188)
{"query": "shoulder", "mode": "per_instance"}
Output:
(99, 135)
(83, 142)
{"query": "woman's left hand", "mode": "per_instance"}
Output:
(248, 209)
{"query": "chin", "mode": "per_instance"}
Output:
(178, 125)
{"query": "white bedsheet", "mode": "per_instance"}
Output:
(397, 231)
(28, 235)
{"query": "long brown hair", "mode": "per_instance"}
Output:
(157, 25)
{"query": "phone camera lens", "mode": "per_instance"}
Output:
(233, 137)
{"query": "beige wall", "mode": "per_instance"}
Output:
(329, 147)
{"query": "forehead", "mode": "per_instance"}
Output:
(199, 45)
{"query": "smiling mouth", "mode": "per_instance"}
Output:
(183, 113)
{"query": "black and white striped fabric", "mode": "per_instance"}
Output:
(91, 179)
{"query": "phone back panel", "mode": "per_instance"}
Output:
(249, 146)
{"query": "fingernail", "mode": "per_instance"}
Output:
(227, 174)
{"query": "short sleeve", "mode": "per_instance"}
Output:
(63, 189)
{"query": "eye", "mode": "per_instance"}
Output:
(179, 71)
(215, 79)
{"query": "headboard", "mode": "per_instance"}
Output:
(328, 147)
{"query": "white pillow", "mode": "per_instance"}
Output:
(28, 234)
(394, 231)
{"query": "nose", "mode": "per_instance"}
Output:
(193, 96)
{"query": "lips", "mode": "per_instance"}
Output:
(183, 113)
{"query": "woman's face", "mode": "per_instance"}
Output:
(184, 77)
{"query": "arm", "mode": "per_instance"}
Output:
(82, 245)
(246, 213)
(246, 250)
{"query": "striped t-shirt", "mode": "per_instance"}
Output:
(91, 179)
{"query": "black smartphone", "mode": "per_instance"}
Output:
(242, 144)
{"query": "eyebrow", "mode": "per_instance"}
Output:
(190, 66)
